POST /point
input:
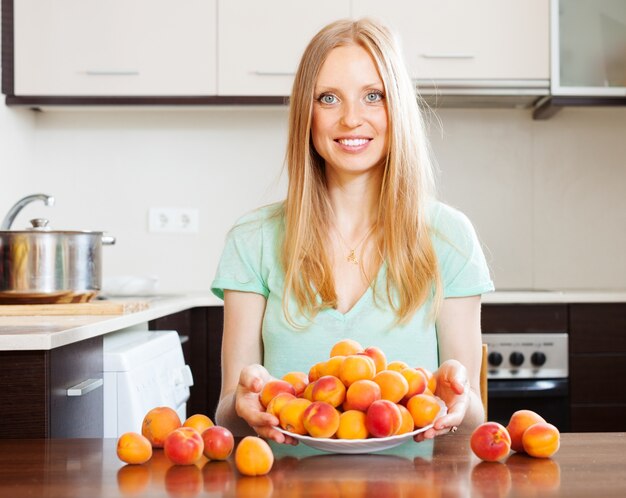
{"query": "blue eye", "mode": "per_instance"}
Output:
(374, 97)
(327, 98)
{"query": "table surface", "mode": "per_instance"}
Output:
(586, 465)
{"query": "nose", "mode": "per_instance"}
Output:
(351, 116)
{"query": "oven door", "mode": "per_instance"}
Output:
(547, 397)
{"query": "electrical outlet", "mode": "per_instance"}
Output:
(173, 220)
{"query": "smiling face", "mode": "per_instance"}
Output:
(349, 127)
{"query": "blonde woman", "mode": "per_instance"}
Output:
(359, 249)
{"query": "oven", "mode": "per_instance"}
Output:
(528, 371)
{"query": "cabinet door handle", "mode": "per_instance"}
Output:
(94, 72)
(274, 73)
(448, 56)
(84, 387)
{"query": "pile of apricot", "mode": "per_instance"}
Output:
(527, 432)
(355, 394)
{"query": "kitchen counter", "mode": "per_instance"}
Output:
(586, 465)
(553, 296)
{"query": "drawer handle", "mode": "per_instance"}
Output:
(448, 56)
(92, 72)
(84, 387)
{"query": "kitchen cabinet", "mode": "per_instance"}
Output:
(260, 43)
(34, 400)
(117, 47)
(479, 40)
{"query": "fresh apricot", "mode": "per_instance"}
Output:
(308, 391)
(158, 423)
(383, 418)
(273, 388)
(276, 405)
(218, 443)
(291, 415)
(352, 425)
(331, 366)
(183, 446)
(397, 365)
(329, 389)
(376, 354)
(416, 380)
(518, 423)
(541, 440)
(361, 394)
(299, 381)
(490, 441)
(430, 378)
(407, 424)
(133, 448)
(315, 371)
(393, 385)
(356, 367)
(424, 409)
(199, 422)
(345, 347)
(253, 456)
(321, 419)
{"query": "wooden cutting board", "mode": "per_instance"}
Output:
(104, 307)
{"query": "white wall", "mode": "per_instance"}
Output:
(548, 197)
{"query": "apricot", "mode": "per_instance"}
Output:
(199, 422)
(407, 424)
(321, 419)
(393, 385)
(291, 415)
(133, 448)
(424, 409)
(218, 443)
(352, 425)
(253, 456)
(490, 441)
(183, 446)
(356, 367)
(315, 371)
(158, 423)
(541, 440)
(308, 392)
(376, 354)
(299, 381)
(416, 380)
(276, 405)
(397, 365)
(273, 388)
(518, 423)
(361, 394)
(430, 378)
(331, 366)
(346, 347)
(383, 418)
(329, 389)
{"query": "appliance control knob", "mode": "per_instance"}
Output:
(538, 358)
(494, 359)
(516, 359)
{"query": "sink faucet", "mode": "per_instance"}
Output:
(19, 205)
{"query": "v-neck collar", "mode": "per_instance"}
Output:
(360, 302)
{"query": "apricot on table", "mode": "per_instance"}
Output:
(218, 443)
(134, 448)
(518, 423)
(158, 423)
(183, 446)
(541, 440)
(490, 441)
(253, 456)
(198, 422)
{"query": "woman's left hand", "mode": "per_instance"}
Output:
(453, 388)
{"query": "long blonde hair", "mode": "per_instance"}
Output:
(404, 241)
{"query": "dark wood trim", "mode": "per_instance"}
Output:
(7, 47)
(523, 318)
(553, 104)
(37, 101)
(597, 328)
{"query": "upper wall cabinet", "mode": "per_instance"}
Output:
(478, 40)
(261, 42)
(114, 47)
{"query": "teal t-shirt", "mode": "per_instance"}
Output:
(250, 262)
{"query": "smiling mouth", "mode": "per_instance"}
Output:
(353, 142)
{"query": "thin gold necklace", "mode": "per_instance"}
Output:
(352, 257)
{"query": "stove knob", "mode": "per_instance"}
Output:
(538, 358)
(516, 359)
(494, 359)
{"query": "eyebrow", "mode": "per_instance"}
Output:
(325, 88)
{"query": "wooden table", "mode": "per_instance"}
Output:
(587, 465)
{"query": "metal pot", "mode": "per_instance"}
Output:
(40, 265)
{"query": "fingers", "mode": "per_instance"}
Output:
(251, 380)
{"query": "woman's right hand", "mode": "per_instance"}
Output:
(248, 405)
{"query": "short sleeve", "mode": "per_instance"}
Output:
(240, 267)
(462, 263)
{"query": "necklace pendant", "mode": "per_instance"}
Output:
(351, 258)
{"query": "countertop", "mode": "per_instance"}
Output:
(48, 332)
(586, 465)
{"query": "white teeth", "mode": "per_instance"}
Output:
(353, 142)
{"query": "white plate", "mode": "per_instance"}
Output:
(355, 446)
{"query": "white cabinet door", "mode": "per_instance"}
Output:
(463, 39)
(261, 42)
(115, 47)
